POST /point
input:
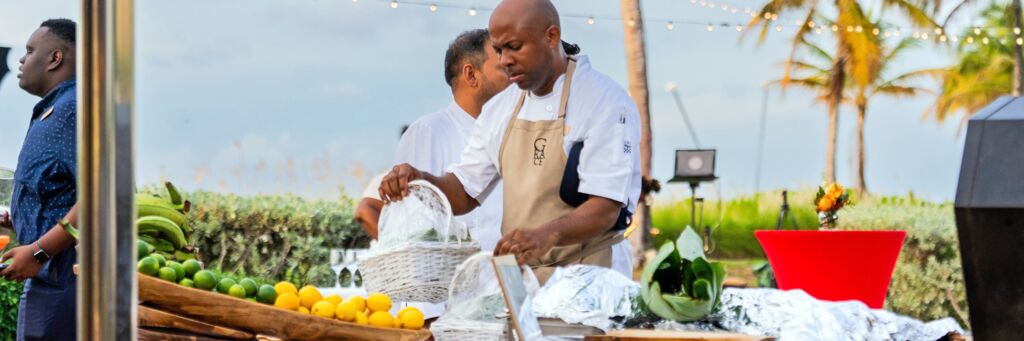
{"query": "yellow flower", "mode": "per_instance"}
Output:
(825, 203)
(835, 190)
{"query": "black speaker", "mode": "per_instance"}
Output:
(694, 165)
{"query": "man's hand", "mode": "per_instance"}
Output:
(395, 185)
(5, 220)
(527, 244)
(24, 265)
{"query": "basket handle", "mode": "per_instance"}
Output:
(444, 201)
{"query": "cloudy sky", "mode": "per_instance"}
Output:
(308, 96)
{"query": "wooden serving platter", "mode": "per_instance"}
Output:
(652, 335)
(223, 310)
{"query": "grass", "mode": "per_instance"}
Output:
(733, 222)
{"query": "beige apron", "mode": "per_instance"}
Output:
(532, 161)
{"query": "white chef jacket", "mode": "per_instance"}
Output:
(433, 144)
(599, 113)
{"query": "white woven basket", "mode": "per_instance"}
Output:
(459, 330)
(418, 271)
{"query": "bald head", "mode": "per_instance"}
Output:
(527, 36)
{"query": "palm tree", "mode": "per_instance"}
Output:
(636, 65)
(985, 70)
(1001, 17)
(879, 84)
(856, 54)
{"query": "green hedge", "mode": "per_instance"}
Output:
(274, 237)
(10, 295)
(927, 282)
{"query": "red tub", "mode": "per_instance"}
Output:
(834, 265)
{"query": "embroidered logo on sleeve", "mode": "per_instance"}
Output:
(627, 148)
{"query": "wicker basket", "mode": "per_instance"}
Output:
(459, 330)
(417, 271)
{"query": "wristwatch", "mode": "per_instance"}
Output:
(40, 254)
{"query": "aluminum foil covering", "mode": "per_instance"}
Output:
(605, 299)
(588, 295)
(795, 315)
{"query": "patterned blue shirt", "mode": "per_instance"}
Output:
(44, 180)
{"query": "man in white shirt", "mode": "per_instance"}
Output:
(435, 142)
(568, 163)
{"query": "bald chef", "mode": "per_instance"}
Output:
(562, 140)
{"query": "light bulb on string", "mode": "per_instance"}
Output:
(1016, 31)
(433, 7)
(924, 36)
(938, 31)
(984, 40)
(817, 30)
(355, 1)
(669, 26)
(702, 2)
(739, 28)
(711, 27)
(631, 22)
(859, 29)
(1002, 41)
(886, 34)
(810, 24)
(875, 31)
(734, 9)
(590, 20)
(775, 16)
(897, 33)
(1020, 41)
(798, 22)
(977, 30)
(767, 16)
(394, 4)
(725, 7)
(472, 12)
(970, 40)
(954, 38)
(916, 35)
(711, 5)
(942, 38)
(746, 10)
(849, 28)
(778, 28)
(835, 28)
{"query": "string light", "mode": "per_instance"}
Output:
(739, 28)
(775, 16)
(734, 9)
(394, 4)
(767, 16)
(746, 10)
(875, 31)
(953, 38)
(778, 28)
(1016, 31)
(1020, 41)
(916, 35)
(938, 31)
(472, 12)
(725, 7)
(810, 24)
(849, 28)
(924, 36)
(817, 30)
(835, 28)
(984, 40)
(898, 33)
(970, 40)
(433, 8)
(711, 27)
(669, 26)
(886, 34)
(977, 30)
(942, 38)
(590, 20)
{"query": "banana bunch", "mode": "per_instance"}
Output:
(163, 223)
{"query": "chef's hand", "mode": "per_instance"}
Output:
(24, 265)
(5, 220)
(526, 244)
(395, 185)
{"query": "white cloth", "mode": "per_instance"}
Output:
(433, 144)
(372, 190)
(599, 113)
(622, 258)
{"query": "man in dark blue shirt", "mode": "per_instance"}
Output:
(45, 196)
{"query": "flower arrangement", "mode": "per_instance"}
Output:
(828, 201)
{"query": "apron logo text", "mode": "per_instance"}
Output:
(538, 150)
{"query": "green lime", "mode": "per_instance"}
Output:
(143, 248)
(192, 266)
(187, 283)
(177, 268)
(168, 274)
(225, 285)
(149, 266)
(250, 287)
(266, 294)
(160, 259)
(237, 290)
(205, 280)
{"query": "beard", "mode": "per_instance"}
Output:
(489, 88)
